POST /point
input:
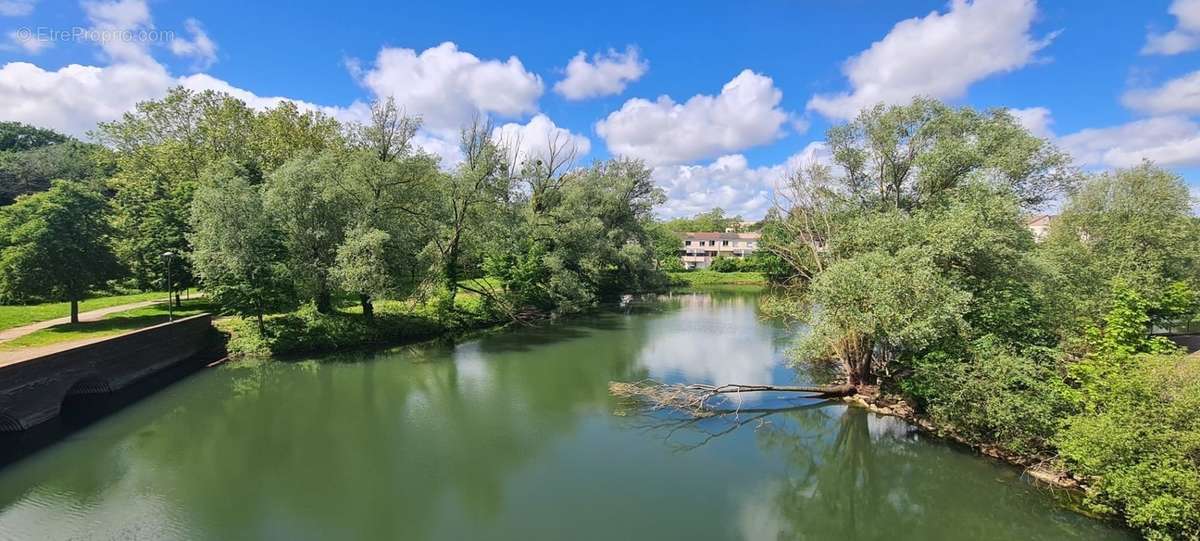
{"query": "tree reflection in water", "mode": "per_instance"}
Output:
(854, 475)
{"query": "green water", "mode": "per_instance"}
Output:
(513, 436)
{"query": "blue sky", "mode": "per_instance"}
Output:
(721, 98)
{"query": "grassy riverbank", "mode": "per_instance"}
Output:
(710, 278)
(24, 314)
(109, 325)
(395, 322)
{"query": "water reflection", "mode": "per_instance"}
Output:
(513, 437)
(713, 339)
(850, 474)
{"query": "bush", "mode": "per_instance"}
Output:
(308, 331)
(1139, 442)
(724, 264)
(995, 396)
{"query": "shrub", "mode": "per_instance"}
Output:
(995, 396)
(1139, 441)
(308, 331)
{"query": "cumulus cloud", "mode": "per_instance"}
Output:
(448, 87)
(605, 75)
(1035, 119)
(1185, 36)
(1177, 96)
(939, 55)
(113, 22)
(1167, 141)
(16, 8)
(535, 138)
(74, 98)
(746, 113)
(200, 47)
(730, 183)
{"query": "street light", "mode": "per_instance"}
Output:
(170, 307)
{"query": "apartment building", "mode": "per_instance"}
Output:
(700, 249)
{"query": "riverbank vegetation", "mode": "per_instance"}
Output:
(710, 277)
(284, 214)
(921, 280)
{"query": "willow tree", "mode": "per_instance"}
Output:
(309, 209)
(386, 184)
(906, 157)
(238, 254)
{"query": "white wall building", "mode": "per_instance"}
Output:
(700, 249)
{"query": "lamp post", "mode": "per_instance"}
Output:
(170, 305)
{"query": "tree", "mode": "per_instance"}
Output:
(18, 137)
(1132, 228)
(304, 200)
(667, 247)
(875, 307)
(464, 201)
(31, 171)
(362, 265)
(712, 220)
(164, 146)
(384, 185)
(237, 251)
(903, 158)
(55, 245)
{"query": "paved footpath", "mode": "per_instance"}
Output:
(17, 355)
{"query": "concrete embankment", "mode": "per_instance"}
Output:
(33, 390)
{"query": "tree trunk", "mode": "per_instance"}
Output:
(262, 328)
(324, 299)
(178, 302)
(74, 310)
(368, 307)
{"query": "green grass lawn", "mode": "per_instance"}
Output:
(112, 324)
(709, 278)
(17, 315)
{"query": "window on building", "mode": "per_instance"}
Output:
(724, 243)
(687, 243)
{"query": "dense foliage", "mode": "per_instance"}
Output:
(921, 277)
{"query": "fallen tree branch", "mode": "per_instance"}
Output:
(698, 399)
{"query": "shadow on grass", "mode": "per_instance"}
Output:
(110, 325)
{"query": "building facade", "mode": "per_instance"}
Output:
(700, 249)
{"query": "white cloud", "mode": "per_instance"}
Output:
(114, 22)
(604, 75)
(939, 55)
(16, 8)
(535, 138)
(1185, 36)
(448, 87)
(446, 149)
(730, 183)
(746, 113)
(1167, 141)
(27, 41)
(1177, 96)
(200, 47)
(74, 98)
(1035, 119)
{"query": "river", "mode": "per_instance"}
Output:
(513, 436)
